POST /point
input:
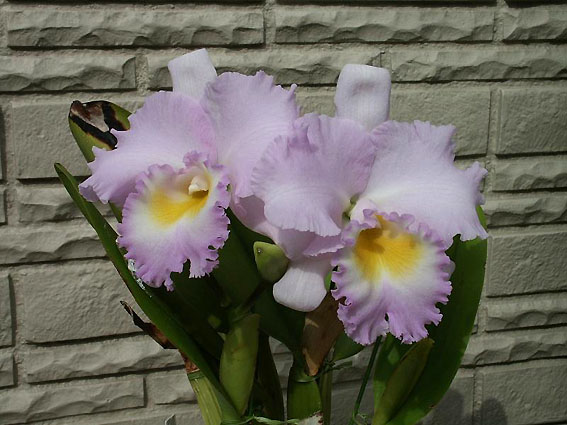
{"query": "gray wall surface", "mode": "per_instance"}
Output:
(495, 69)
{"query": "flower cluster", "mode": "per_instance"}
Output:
(373, 201)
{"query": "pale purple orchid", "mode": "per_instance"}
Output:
(172, 170)
(379, 200)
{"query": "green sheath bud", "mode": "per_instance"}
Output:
(238, 360)
(91, 123)
(270, 260)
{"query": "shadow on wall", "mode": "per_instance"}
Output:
(2, 153)
(492, 413)
(452, 412)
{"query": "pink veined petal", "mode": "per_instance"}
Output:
(167, 127)
(250, 212)
(163, 226)
(363, 94)
(391, 280)
(295, 244)
(306, 181)
(247, 113)
(303, 285)
(191, 73)
(414, 173)
(298, 245)
(323, 245)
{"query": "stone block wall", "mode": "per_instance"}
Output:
(496, 69)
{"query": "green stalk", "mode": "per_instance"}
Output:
(358, 401)
(303, 398)
(325, 388)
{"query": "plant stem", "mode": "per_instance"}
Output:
(208, 403)
(303, 397)
(325, 388)
(358, 401)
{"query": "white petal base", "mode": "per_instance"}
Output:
(303, 285)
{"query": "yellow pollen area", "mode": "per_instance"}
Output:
(167, 207)
(386, 249)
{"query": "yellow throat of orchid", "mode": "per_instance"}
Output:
(386, 249)
(168, 206)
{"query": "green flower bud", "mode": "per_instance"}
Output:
(270, 260)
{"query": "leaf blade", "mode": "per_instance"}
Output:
(402, 381)
(345, 347)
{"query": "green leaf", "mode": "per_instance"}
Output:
(202, 295)
(401, 381)
(188, 301)
(269, 380)
(390, 355)
(236, 273)
(345, 348)
(238, 360)
(156, 310)
(247, 236)
(280, 322)
(91, 123)
(452, 335)
(326, 392)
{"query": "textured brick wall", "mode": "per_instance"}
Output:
(497, 70)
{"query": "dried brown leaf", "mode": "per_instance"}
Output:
(321, 330)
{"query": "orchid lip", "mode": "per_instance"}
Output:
(186, 197)
(385, 249)
(391, 278)
(165, 224)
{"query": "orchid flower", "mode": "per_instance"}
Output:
(377, 200)
(187, 155)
